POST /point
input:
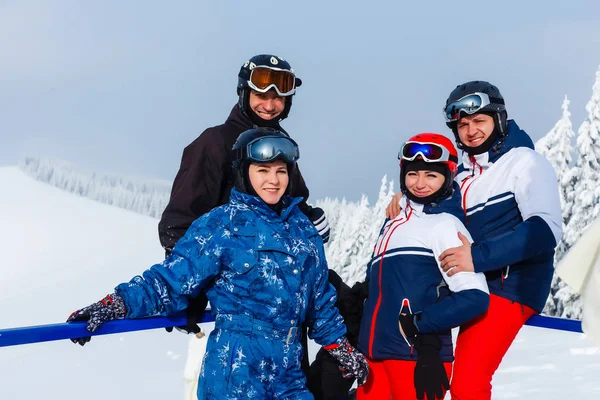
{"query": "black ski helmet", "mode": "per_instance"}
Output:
(496, 109)
(243, 89)
(241, 159)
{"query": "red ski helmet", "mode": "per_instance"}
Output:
(429, 151)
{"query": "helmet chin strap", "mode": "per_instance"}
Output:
(497, 133)
(260, 122)
(432, 198)
(244, 102)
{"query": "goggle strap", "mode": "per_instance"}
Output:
(496, 100)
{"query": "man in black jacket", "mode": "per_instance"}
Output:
(266, 85)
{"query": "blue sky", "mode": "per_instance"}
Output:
(123, 87)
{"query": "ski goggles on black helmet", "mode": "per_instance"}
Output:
(270, 148)
(469, 104)
(262, 79)
(429, 152)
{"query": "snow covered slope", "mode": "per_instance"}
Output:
(61, 252)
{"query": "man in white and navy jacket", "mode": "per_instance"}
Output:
(512, 208)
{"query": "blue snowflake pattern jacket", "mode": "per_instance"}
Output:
(253, 263)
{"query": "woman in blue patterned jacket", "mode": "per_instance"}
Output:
(262, 264)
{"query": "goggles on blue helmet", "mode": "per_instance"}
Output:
(262, 79)
(429, 152)
(469, 104)
(269, 148)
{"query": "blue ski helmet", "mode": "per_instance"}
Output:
(262, 145)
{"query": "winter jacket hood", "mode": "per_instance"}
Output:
(515, 137)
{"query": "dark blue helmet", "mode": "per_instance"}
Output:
(495, 106)
(262, 145)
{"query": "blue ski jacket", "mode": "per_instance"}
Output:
(512, 208)
(252, 262)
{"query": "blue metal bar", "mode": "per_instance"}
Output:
(45, 333)
(562, 324)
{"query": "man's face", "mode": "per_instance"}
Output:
(267, 105)
(474, 129)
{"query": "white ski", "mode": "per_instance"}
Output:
(580, 269)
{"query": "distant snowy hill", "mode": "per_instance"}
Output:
(63, 251)
(144, 197)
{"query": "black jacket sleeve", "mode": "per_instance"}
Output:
(299, 189)
(199, 186)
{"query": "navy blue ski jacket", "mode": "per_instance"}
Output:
(512, 208)
(404, 276)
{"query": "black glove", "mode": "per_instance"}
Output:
(351, 305)
(109, 308)
(352, 363)
(430, 375)
(193, 314)
(319, 220)
(407, 324)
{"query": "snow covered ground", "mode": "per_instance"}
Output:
(61, 252)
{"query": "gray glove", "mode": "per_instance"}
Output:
(109, 308)
(352, 363)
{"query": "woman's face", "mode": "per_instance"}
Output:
(423, 183)
(269, 180)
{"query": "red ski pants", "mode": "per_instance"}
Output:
(481, 345)
(391, 378)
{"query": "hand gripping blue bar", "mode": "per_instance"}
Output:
(45, 333)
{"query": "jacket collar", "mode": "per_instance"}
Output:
(450, 205)
(408, 206)
(238, 118)
(256, 204)
(515, 137)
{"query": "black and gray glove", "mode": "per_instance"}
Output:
(109, 308)
(319, 220)
(352, 363)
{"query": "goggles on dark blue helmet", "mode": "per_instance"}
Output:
(270, 148)
(262, 79)
(469, 104)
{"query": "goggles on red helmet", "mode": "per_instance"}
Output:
(469, 104)
(429, 152)
(269, 148)
(262, 79)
